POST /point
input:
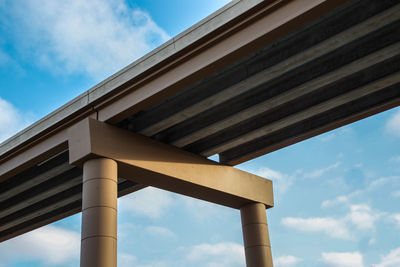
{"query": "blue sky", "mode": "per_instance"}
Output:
(336, 194)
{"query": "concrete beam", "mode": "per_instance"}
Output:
(65, 198)
(332, 103)
(308, 55)
(168, 69)
(47, 148)
(148, 162)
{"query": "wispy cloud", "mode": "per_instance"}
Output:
(395, 218)
(95, 37)
(343, 259)
(343, 199)
(392, 126)
(150, 202)
(222, 254)
(219, 254)
(396, 193)
(287, 261)
(319, 225)
(159, 231)
(320, 172)
(395, 159)
(392, 259)
(11, 120)
(326, 137)
(155, 203)
(374, 185)
(126, 260)
(50, 245)
(359, 218)
(202, 209)
(377, 183)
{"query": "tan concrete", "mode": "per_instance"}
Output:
(99, 252)
(272, 20)
(255, 236)
(12, 165)
(204, 50)
(99, 213)
(103, 196)
(171, 51)
(148, 162)
(101, 222)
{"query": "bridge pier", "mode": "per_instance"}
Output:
(257, 245)
(103, 150)
(99, 213)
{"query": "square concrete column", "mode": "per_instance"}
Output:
(257, 245)
(99, 213)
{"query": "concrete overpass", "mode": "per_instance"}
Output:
(251, 78)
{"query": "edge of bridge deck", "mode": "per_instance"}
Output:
(82, 105)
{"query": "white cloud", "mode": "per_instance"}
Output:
(126, 229)
(50, 245)
(11, 120)
(319, 172)
(159, 231)
(396, 193)
(154, 203)
(375, 184)
(202, 209)
(390, 260)
(150, 202)
(392, 126)
(287, 261)
(358, 165)
(153, 264)
(395, 218)
(219, 254)
(336, 201)
(346, 129)
(321, 225)
(395, 159)
(95, 37)
(362, 217)
(223, 254)
(326, 137)
(282, 182)
(343, 259)
(126, 260)
(372, 186)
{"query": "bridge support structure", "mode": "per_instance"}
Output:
(107, 153)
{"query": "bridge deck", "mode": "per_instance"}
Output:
(250, 79)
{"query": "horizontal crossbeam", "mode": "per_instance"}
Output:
(151, 163)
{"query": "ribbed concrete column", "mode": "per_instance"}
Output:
(99, 214)
(255, 235)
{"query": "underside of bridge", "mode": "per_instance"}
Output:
(254, 77)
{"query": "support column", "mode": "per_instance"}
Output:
(99, 213)
(257, 246)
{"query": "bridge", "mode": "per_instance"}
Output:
(251, 78)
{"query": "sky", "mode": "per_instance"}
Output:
(336, 195)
